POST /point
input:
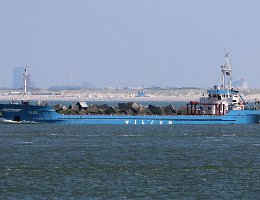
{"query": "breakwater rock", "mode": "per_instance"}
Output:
(127, 108)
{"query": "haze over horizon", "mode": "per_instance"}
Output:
(130, 42)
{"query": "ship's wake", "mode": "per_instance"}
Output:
(17, 122)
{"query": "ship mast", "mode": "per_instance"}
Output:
(226, 74)
(25, 81)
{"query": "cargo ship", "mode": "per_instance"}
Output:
(220, 105)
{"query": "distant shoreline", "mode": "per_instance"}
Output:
(37, 98)
(165, 99)
(185, 95)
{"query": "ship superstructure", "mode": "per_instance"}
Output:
(219, 100)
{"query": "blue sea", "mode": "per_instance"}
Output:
(44, 161)
(41, 161)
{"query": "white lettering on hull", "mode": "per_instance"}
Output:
(147, 122)
(33, 112)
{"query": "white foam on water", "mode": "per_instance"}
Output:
(232, 135)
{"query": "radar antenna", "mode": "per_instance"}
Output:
(226, 74)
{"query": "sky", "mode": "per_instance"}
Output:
(178, 43)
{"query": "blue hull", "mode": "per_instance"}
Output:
(46, 114)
